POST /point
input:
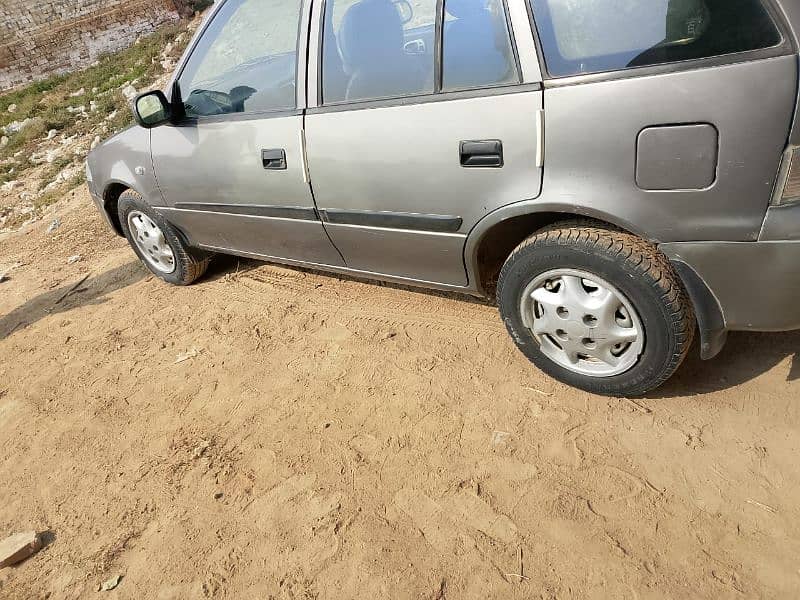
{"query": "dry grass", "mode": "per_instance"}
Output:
(51, 105)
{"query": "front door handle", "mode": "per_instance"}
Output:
(481, 153)
(274, 159)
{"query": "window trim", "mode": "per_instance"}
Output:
(316, 63)
(525, 40)
(512, 38)
(429, 98)
(438, 48)
(785, 47)
(301, 66)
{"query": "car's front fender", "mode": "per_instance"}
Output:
(124, 161)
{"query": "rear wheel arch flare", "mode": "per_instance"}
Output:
(486, 256)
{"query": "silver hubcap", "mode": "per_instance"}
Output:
(151, 242)
(583, 323)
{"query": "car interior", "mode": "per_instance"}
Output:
(377, 56)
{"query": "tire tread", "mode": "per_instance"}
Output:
(639, 255)
(194, 263)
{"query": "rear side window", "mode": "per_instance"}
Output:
(590, 36)
(477, 45)
(388, 48)
(377, 49)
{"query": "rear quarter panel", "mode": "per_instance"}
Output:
(791, 12)
(591, 143)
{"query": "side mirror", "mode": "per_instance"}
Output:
(152, 109)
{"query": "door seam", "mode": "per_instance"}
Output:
(307, 177)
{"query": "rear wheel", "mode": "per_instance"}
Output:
(598, 309)
(158, 244)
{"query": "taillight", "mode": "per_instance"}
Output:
(791, 185)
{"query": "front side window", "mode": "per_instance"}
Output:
(246, 60)
(377, 49)
(589, 36)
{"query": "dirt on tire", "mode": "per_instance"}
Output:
(280, 433)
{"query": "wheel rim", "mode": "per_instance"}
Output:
(151, 242)
(583, 323)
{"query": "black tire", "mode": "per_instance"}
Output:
(190, 263)
(636, 268)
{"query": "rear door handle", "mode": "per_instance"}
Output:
(274, 159)
(481, 153)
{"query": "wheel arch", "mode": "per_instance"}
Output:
(493, 238)
(111, 194)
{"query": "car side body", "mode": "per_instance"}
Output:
(694, 156)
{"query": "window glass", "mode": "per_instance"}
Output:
(586, 36)
(246, 60)
(377, 49)
(477, 45)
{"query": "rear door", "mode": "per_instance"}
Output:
(427, 119)
(233, 172)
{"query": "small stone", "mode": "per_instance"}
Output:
(111, 116)
(129, 92)
(80, 92)
(3, 141)
(192, 353)
(17, 126)
(51, 134)
(18, 547)
(12, 108)
(95, 142)
(73, 259)
(111, 583)
(55, 224)
(500, 438)
(201, 449)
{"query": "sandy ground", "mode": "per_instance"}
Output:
(331, 438)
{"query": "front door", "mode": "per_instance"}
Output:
(426, 123)
(233, 173)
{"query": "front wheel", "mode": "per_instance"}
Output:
(157, 243)
(596, 308)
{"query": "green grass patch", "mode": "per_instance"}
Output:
(47, 102)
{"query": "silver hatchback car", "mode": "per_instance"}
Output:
(619, 175)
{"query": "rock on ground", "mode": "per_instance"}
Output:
(129, 92)
(18, 547)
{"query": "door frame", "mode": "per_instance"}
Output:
(301, 68)
(442, 235)
(189, 216)
(522, 43)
